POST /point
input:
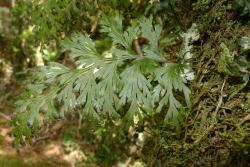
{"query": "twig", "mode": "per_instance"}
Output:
(242, 86)
(52, 131)
(5, 116)
(80, 120)
(137, 48)
(214, 120)
(246, 118)
(220, 99)
(94, 26)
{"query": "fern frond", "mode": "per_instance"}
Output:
(151, 32)
(81, 47)
(170, 80)
(103, 86)
(113, 26)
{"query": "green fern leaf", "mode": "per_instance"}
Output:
(170, 80)
(101, 86)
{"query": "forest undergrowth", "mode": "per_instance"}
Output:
(210, 37)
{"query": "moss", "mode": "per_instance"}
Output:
(11, 161)
(202, 4)
(16, 161)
